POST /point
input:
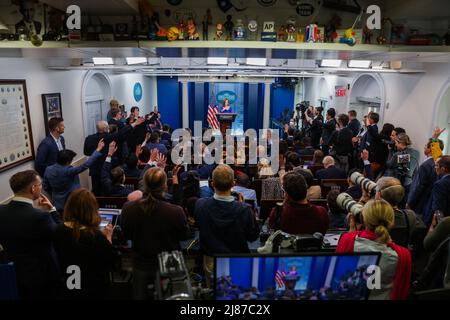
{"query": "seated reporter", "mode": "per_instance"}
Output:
(153, 225)
(298, 216)
(113, 179)
(226, 225)
(395, 263)
(80, 242)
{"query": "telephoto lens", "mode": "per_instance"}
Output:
(368, 185)
(346, 202)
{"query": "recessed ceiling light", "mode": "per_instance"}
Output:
(103, 60)
(330, 63)
(359, 63)
(256, 61)
(136, 60)
(217, 60)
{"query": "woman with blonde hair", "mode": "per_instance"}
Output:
(395, 263)
(80, 242)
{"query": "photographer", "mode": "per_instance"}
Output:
(379, 217)
(400, 163)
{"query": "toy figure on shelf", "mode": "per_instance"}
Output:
(173, 34)
(229, 26)
(291, 31)
(207, 21)
(367, 35)
(219, 31)
(191, 30)
(282, 35)
(349, 37)
(300, 37)
(252, 30)
(181, 30)
(311, 33)
(330, 29)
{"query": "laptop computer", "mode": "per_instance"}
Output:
(109, 216)
(309, 276)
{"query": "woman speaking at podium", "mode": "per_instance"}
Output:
(226, 108)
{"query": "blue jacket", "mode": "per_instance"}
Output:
(46, 154)
(331, 173)
(419, 197)
(440, 198)
(161, 148)
(60, 181)
(225, 227)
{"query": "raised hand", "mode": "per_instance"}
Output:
(175, 171)
(112, 148)
(100, 145)
(437, 132)
(161, 160)
(153, 154)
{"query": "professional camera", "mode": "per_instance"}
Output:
(346, 202)
(172, 280)
(368, 185)
(402, 168)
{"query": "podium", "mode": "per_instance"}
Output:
(226, 121)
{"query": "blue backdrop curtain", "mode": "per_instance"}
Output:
(169, 100)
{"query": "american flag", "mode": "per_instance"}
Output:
(212, 119)
(279, 278)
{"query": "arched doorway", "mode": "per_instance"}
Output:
(367, 93)
(96, 95)
(442, 115)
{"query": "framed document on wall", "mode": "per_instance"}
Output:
(16, 139)
(52, 107)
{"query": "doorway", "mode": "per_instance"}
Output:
(96, 97)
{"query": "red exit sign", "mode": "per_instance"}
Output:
(341, 91)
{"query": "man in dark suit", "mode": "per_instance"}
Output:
(354, 123)
(341, 142)
(330, 171)
(26, 236)
(440, 199)
(423, 180)
(49, 147)
(328, 129)
(113, 179)
(315, 126)
(91, 142)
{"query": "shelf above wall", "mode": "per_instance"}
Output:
(225, 45)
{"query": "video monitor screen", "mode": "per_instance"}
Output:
(288, 277)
